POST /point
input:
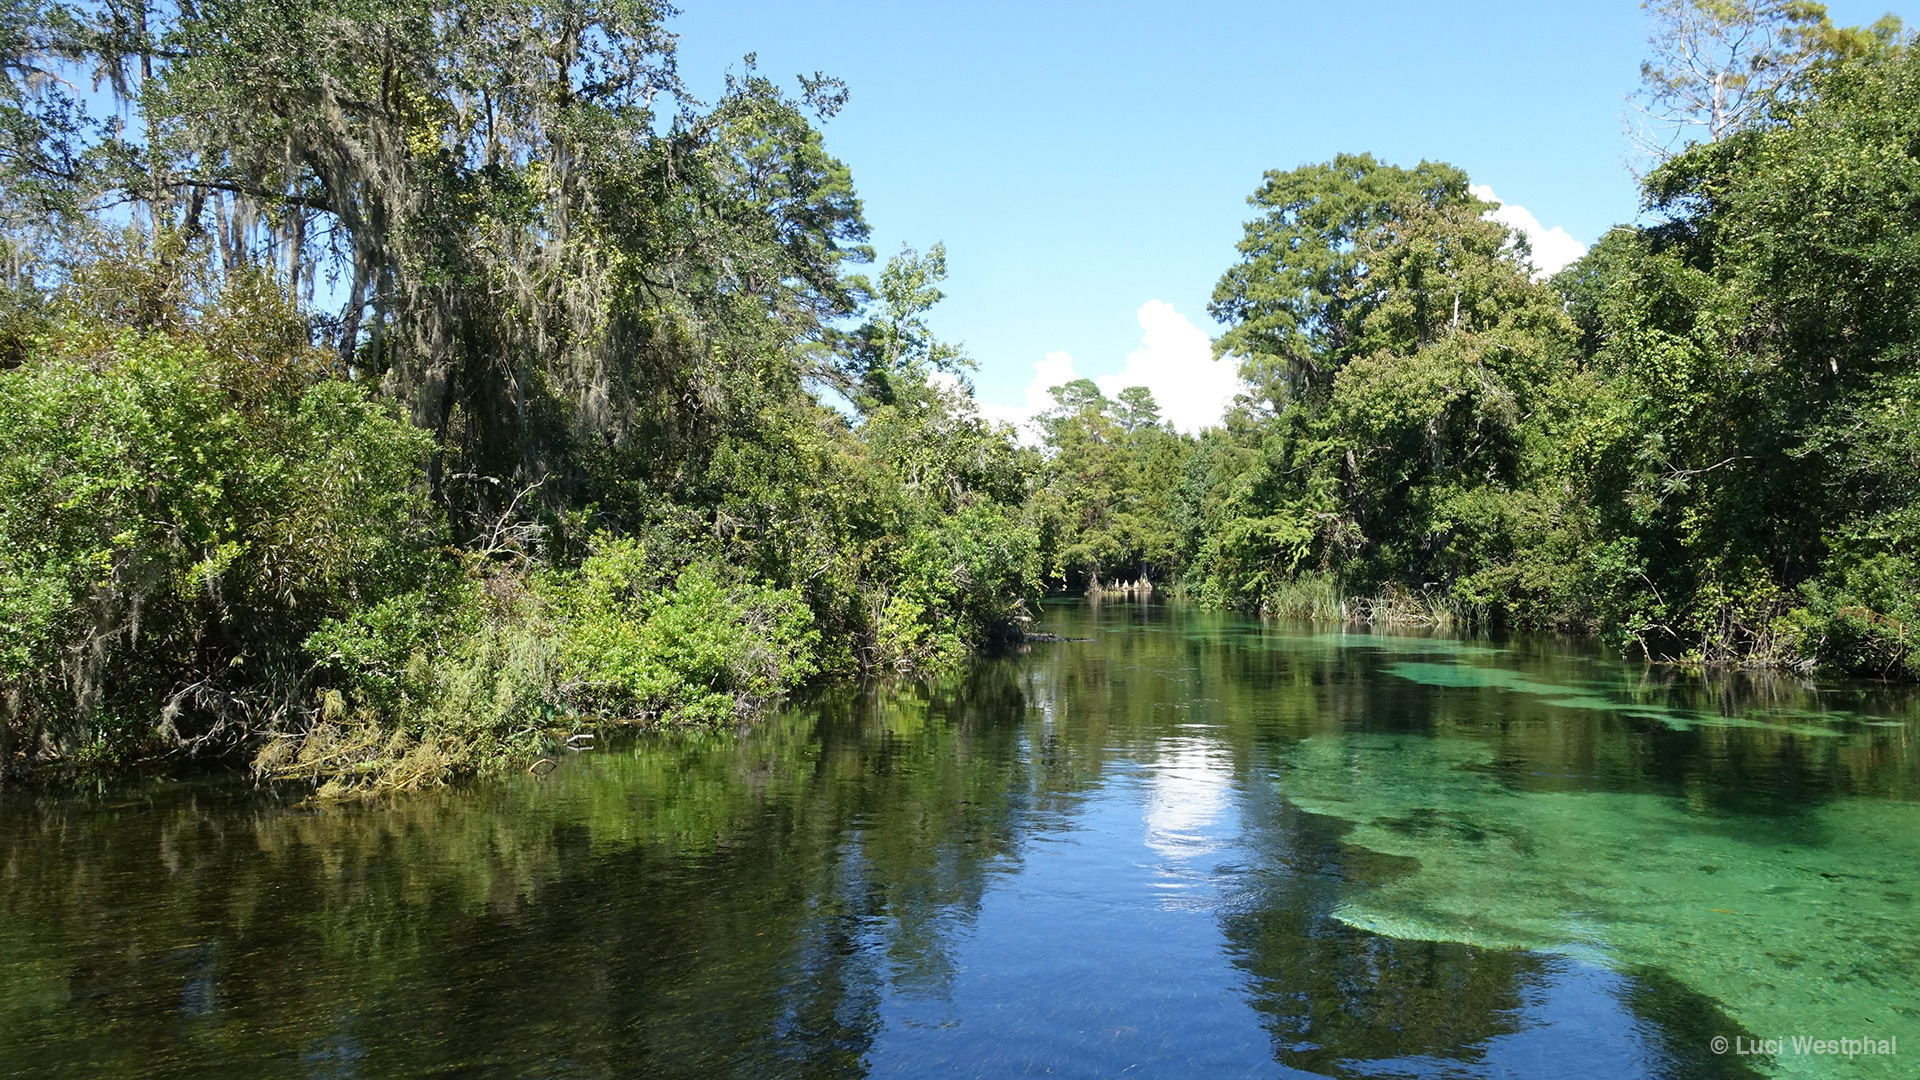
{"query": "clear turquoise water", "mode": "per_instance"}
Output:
(1192, 846)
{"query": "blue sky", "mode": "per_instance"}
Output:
(1083, 161)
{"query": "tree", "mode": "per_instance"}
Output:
(1758, 343)
(1136, 409)
(1295, 301)
(1405, 348)
(603, 306)
(896, 342)
(1717, 66)
(1112, 474)
(530, 252)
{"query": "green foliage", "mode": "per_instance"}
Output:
(212, 542)
(618, 497)
(1297, 301)
(896, 343)
(691, 649)
(897, 552)
(53, 153)
(1763, 339)
(175, 514)
(483, 666)
(1719, 65)
(1406, 361)
(1698, 440)
(560, 456)
(948, 556)
(1112, 472)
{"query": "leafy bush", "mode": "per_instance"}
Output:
(695, 650)
(175, 517)
(488, 664)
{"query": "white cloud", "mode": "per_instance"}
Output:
(1055, 370)
(1175, 361)
(1552, 248)
(945, 380)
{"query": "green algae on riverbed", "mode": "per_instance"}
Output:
(1579, 697)
(1802, 924)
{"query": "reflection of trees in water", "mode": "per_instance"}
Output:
(1335, 997)
(1281, 681)
(697, 907)
(1333, 994)
(1328, 993)
(1345, 1002)
(712, 905)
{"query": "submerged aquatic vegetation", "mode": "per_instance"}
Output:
(1796, 924)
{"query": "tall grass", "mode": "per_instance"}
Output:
(1321, 598)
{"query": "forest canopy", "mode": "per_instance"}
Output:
(1698, 440)
(462, 381)
(394, 391)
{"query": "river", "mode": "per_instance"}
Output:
(1191, 845)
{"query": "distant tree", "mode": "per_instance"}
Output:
(1136, 409)
(1112, 474)
(1072, 399)
(1717, 64)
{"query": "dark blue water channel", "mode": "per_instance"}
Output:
(1192, 845)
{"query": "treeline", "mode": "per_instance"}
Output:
(1701, 440)
(391, 390)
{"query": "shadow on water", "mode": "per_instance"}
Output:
(1193, 845)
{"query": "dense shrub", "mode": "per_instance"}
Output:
(488, 664)
(175, 516)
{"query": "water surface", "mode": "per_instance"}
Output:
(1193, 845)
